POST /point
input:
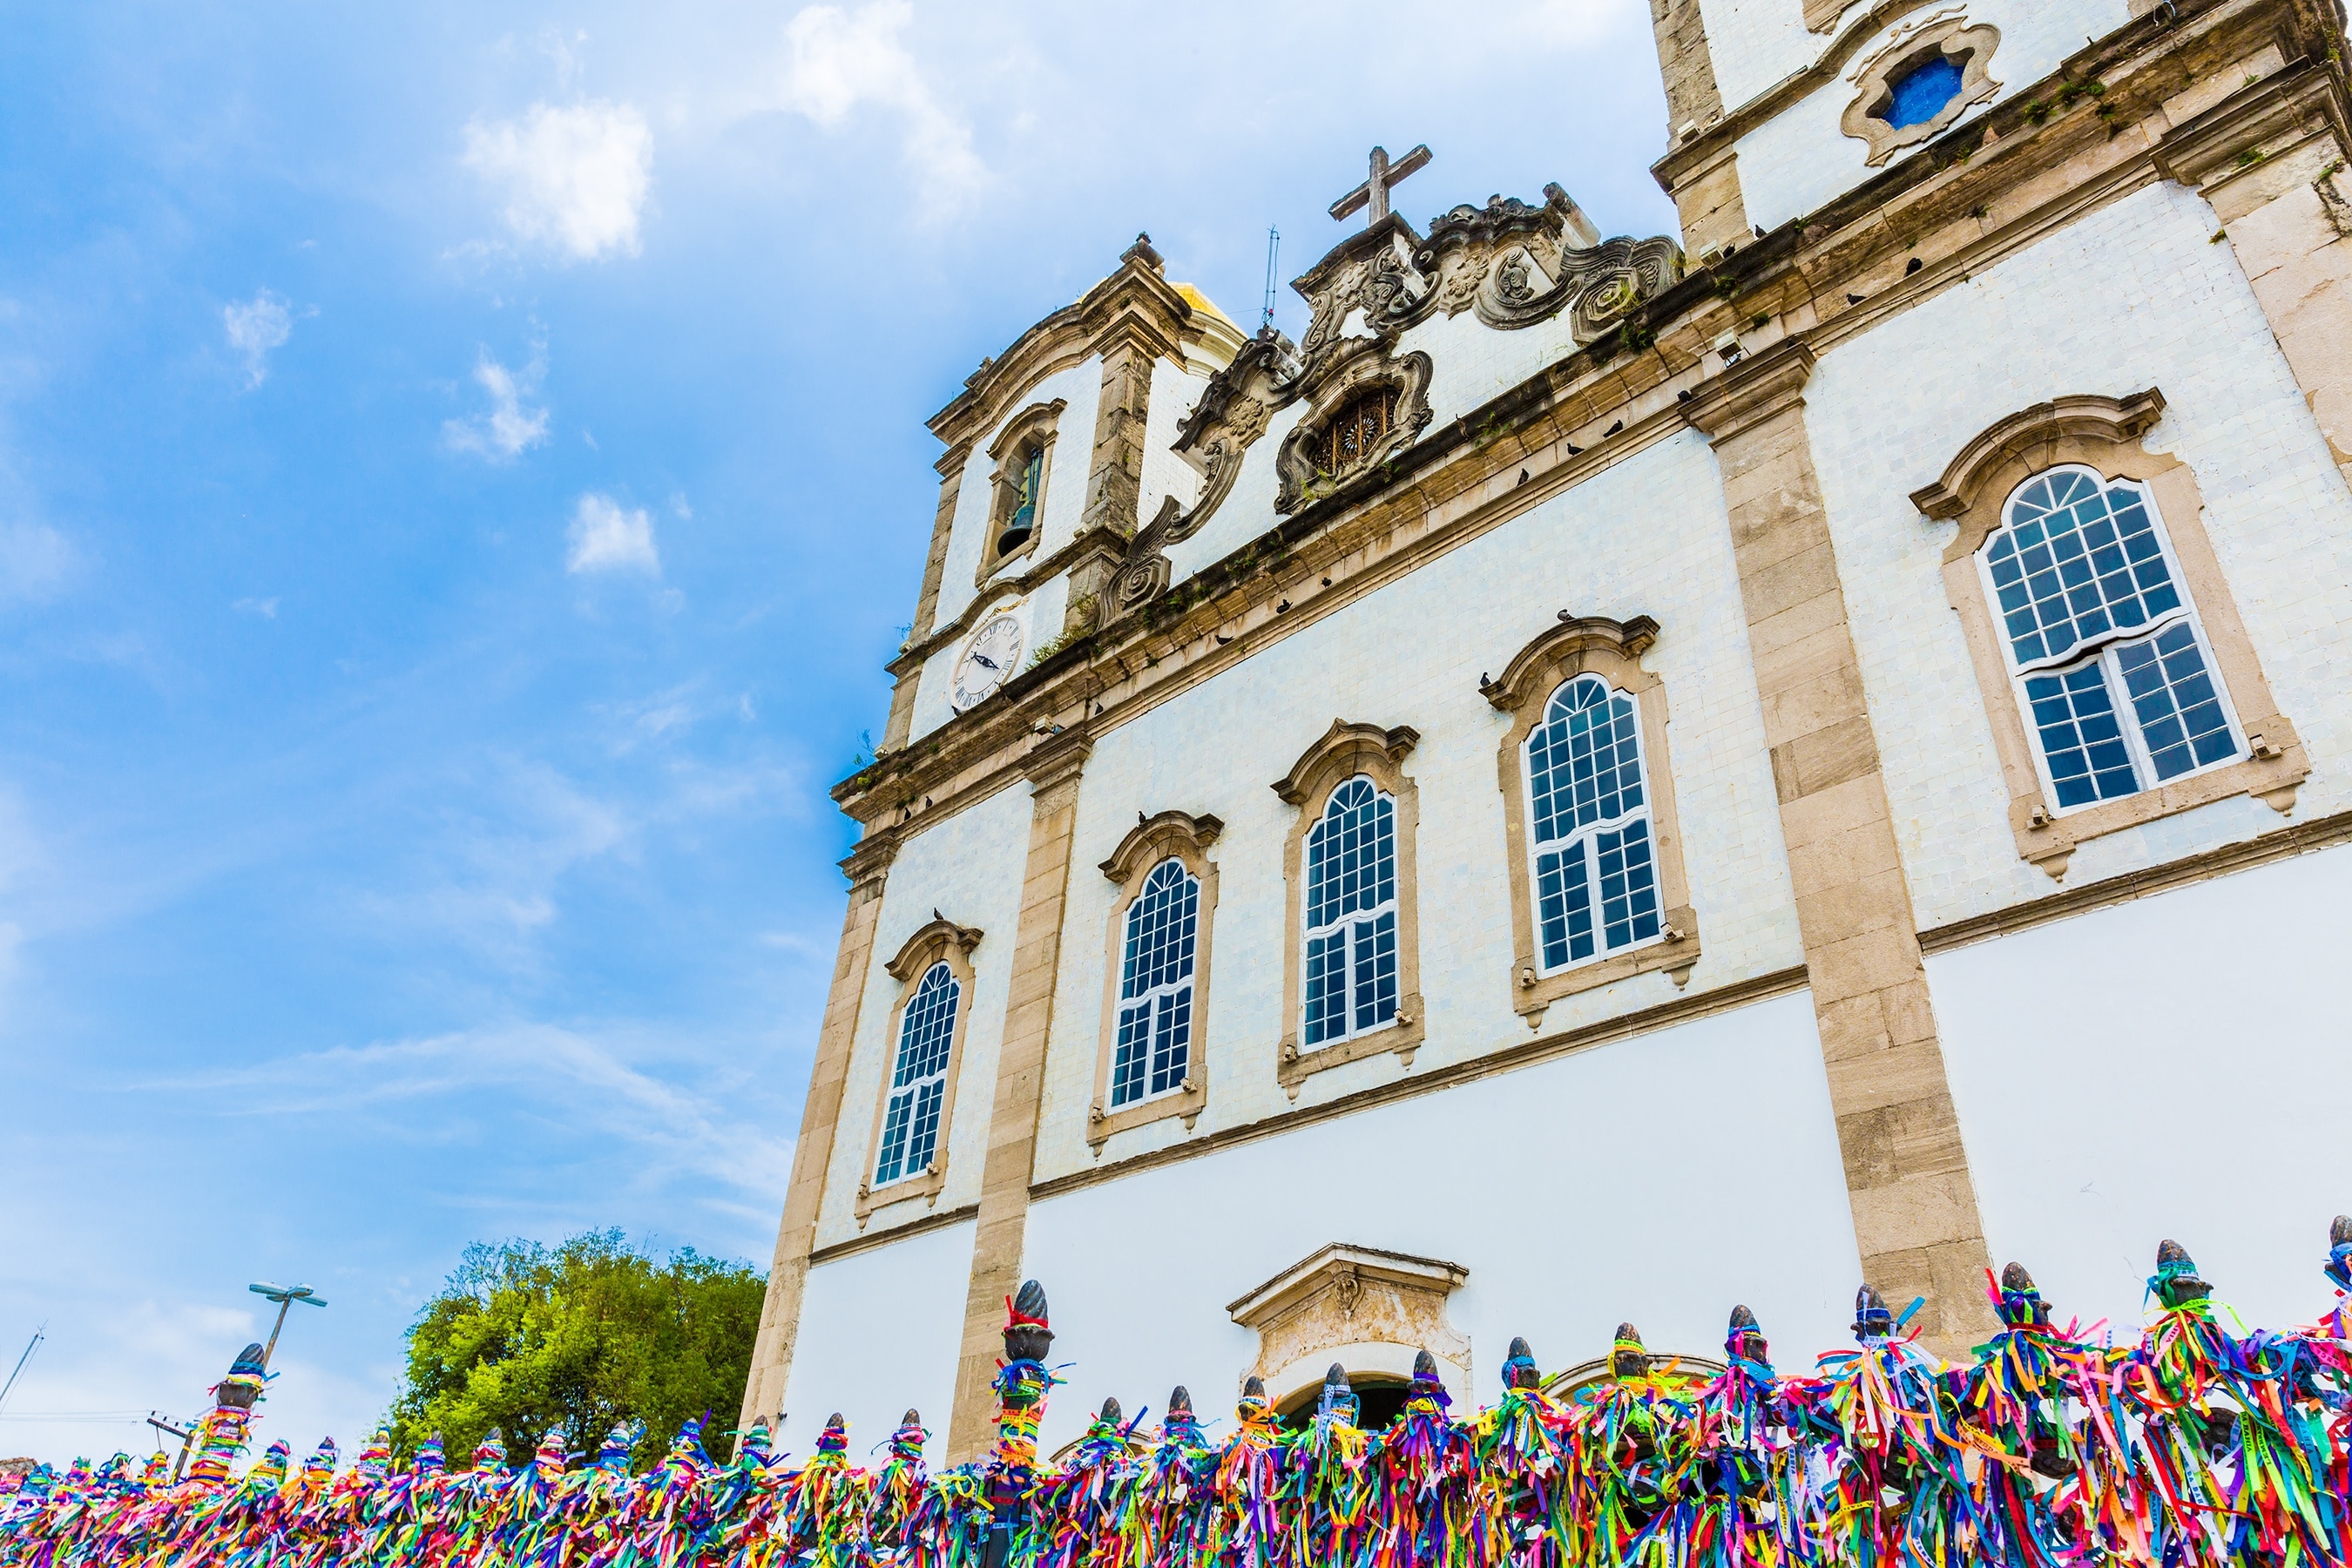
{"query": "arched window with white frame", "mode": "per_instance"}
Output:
(1591, 834)
(1155, 996)
(919, 1082)
(2113, 668)
(1351, 915)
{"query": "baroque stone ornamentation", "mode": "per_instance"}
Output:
(1366, 367)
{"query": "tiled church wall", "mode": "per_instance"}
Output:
(968, 868)
(1799, 159)
(1660, 1180)
(879, 1331)
(1646, 537)
(2164, 1067)
(2131, 297)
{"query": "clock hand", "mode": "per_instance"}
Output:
(983, 661)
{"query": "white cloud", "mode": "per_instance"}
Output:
(512, 425)
(266, 608)
(604, 538)
(258, 325)
(840, 60)
(572, 179)
(34, 561)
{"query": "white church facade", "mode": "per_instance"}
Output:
(1615, 778)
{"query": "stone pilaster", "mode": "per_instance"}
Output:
(1914, 1208)
(780, 1315)
(2271, 159)
(1115, 476)
(1706, 190)
(1053, 769)
(927, 608)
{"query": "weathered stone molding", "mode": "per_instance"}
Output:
(2103, 434)
(1149, 843)
(940, 941)
(1950, 35)
(1344, 751)
(1370, 1309)
(1611, 650)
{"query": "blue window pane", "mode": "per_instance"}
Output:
(1326, 987)
(910, 1120)
(2081, 736)
(1127, 1067)
(2076, 559)
(2172, 696)
(1351, 914)
(1155, 1019)
(1376, 972)
(1921, 92)
(1586, 796)
(1171, 1038)
(1628, 885)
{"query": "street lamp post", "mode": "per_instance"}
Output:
(285, 1295)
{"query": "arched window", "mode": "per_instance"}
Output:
(1155, 992)
(1351, 914)
(2101, 637)
(1595, 879)
(919, 1084)
(1028, 484)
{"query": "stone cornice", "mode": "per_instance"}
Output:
(918, 949)
(1574, 634)
(2105, 418)
(1149, 832)
(1954, 207)
(1135, 300)
(1751, 391)
(2236, 136)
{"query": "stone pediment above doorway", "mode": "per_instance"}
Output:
(1367, 1309)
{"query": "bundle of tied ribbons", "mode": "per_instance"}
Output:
(2191, 1446)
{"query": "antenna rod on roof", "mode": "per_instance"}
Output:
(1273, 249)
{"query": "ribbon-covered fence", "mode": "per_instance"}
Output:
(2193, 1446)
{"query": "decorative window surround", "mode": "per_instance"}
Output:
(1611, 650)
(1151, 843)
(1948, 34)
(1344, 751)
(1369, 1308)
(1033, 428)
(1367, 370)
(940, 942)
(2104, 434)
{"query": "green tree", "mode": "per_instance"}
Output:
(526, 1340)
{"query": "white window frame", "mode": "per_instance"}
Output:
(1347, 923)
(1179, 990)
(911, 1093)
(2101, 648)
(1585, 840)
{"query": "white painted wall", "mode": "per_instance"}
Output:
(2131, 297)
(1755, 44)
(1799, 159)
(879, 1334)
(968, 868)
(2174, 1066)
(1648, 536)
(1174, 392)
(1660, 1181)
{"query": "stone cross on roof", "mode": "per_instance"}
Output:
(1375, 193)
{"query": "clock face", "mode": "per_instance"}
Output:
(992, 657)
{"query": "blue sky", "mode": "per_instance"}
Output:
(461, 471)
